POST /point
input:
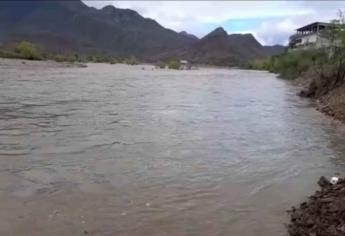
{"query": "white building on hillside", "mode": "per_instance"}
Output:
(309, 37)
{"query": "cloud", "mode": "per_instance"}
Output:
(271, 21)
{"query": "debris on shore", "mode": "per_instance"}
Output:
(324, 212)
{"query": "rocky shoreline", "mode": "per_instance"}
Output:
(323, 214)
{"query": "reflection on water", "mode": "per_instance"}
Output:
(121, 150)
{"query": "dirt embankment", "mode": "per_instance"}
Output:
(333, 103)
(330, 96)
(323, 214)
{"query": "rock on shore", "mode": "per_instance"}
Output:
(323, 214)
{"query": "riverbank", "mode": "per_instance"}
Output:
(330, 99)
(333, 104)
(7, 62)
(320, 77)
(322, 214)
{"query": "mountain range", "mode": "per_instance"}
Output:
(73, 27)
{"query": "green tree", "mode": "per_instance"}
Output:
(161, 65)
(173, 64)
(131, 61)
(28, 51)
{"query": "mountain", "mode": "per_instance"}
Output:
(184, 33)
(73, 27)
(220, 48)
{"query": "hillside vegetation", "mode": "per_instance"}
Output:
(290, 65)
(323, 70)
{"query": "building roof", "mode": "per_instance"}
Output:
(306, 27)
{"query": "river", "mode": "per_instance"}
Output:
(132, 150)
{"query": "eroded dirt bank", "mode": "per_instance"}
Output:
(333, 103)
(330, 96)
(323, 214)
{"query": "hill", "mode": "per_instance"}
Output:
(72, 26)
(221, 48)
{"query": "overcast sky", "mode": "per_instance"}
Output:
(271, 22)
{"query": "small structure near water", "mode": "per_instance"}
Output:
(175, 65)
(185, 65)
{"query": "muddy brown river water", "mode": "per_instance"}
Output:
(130, 150)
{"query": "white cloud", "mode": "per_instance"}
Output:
(278, 18)
(275, 31)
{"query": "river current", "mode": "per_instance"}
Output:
(133, 150)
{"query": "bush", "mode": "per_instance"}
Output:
(59, 58)
(161, 65)
(65, 58)
(290, 65)
(27, 50)
(173, 64)
(8, 54)
(72, 58)
(113, 61)
(260, 64)
(131, 61)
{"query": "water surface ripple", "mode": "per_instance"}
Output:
(131, 150)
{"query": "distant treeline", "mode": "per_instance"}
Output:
(29, 51)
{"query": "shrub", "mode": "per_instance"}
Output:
(28, 51)
(99, 59)
(59, 58)
(161, 65)
(260, 64)
(113, 61)
(72, 58)
(131, 61)
(65, 58)
(8, 54)
(290, 65)
(173, 64)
